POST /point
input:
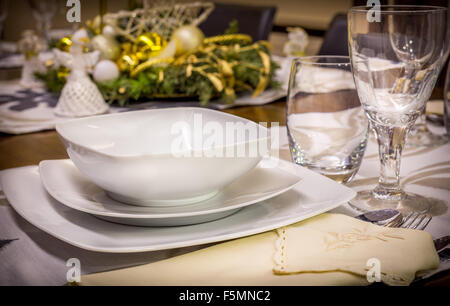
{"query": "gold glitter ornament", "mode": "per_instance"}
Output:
(64, 44)
(127, 62)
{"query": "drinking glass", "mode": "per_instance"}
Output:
(3, 14)
(327, 128)
(420, 135)
(447, 101)
(43, 12)
(396, 59)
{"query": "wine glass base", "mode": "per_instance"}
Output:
(425, 139)
(365, 201)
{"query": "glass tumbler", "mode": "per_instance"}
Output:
(326, 125)
(447, 101)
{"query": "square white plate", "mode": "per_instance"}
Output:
(314, 195)
(69, 186)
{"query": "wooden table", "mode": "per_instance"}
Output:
(30, 149)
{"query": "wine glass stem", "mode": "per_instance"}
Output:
(421, 123)
(47, 26)
(390, 144)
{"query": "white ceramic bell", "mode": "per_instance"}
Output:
(80, 96)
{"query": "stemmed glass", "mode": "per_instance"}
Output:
(420, 135)
(43, 11)
(3, 13)
(447, 101)
(396, 58)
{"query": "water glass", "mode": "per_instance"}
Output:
(447, 101)
(43, 11)
(3, 14)
(326, 125)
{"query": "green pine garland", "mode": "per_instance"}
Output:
(175, 82)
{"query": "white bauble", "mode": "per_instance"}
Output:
(105, 70)
(187, 38)
(108, 31)
(107, 45)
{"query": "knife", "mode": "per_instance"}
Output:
(441, 243)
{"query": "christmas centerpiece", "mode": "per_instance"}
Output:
(161, 53)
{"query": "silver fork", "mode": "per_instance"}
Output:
(393, 218)
(414, 220)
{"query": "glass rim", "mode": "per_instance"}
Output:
(403, 9)
(304, 59)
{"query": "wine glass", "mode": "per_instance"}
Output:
(3, 14)
(395, 62)
(447, 101)
(43, 12)
(420, 135)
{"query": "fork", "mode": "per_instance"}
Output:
(414, 220)
(393, 218)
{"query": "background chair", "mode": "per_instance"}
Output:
(336, 38)
(255, 21)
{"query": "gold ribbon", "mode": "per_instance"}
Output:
(227, 38)
(264, 77)
(148, 45)
(149, 63)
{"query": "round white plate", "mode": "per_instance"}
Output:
(69, 186)
(315, 194)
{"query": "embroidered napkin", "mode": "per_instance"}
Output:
(329, 249)
(333, 242)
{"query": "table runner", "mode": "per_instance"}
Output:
(25, 110)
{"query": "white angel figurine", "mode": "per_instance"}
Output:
(31, 46)
(297, 42)
(80, 96)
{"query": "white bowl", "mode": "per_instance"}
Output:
(163, 157)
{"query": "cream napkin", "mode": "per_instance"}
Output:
(329, 249)
(332, 242)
